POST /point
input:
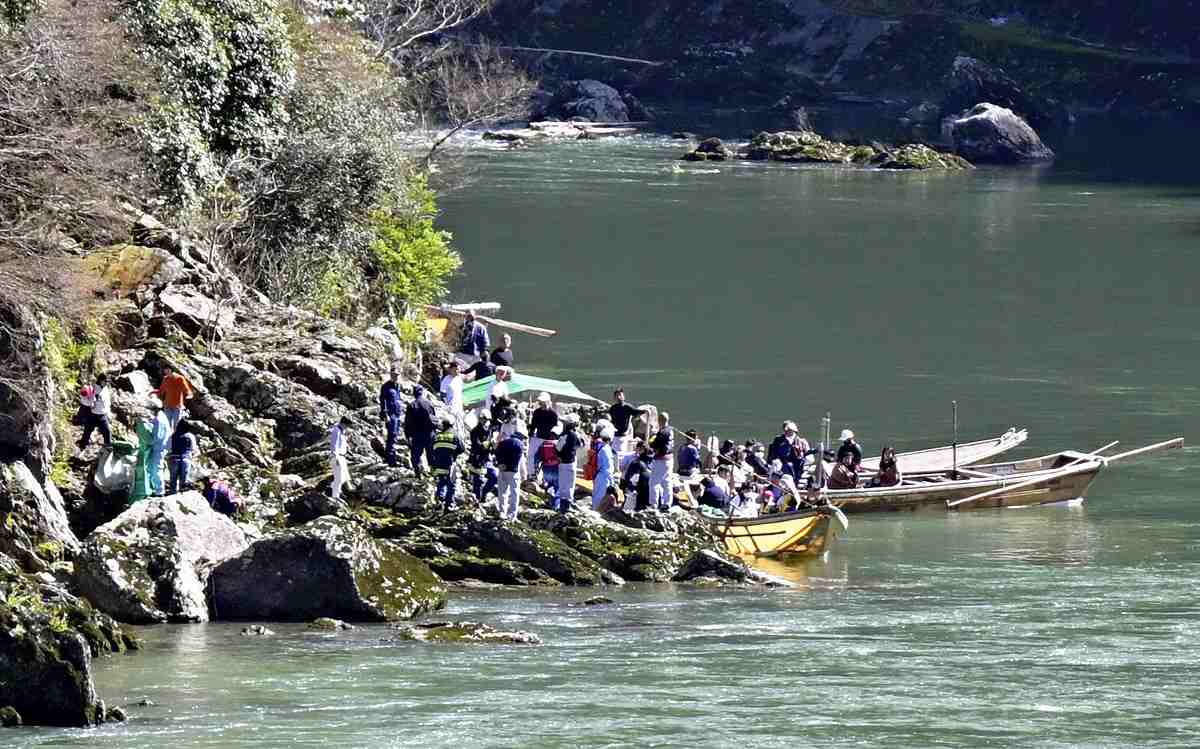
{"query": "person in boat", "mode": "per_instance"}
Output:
(473, 338)
(745, 503)
(889, 471)
(713, 495)
(502, 355)
(622, 414)
(844, 475)
(637, 478)
(688, 461)
(850, 447)
(789, 448)
(663, 445)
(722, 479)
(756, 458)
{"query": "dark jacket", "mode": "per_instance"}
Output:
(418, 418)
(621, 414)
(571, 442)
(689, 459)
(474, 340)
(842, 478)
(502, 357)
(542, 422)
(182, 445)
(482, 369)
(760, 468)
(390, 404)
(782, 450)
(850, 447)
(637, 477)
(715, 496)
(446, 447)
(663, 444)
(509, 453)
(481, 446)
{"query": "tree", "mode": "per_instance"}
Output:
(397, 26)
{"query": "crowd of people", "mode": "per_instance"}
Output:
(164, 436)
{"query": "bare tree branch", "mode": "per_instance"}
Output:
(397, 25)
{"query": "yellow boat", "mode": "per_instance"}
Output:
(808, 533)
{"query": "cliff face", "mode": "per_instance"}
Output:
(1091, 55)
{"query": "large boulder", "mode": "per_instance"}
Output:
(710, 149)
(589, 100)
(971, 80)
(540, 549)
(151, 563)
(988, 134)
(329, 567)
(36, 529)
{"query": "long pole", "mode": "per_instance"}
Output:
(954, 450)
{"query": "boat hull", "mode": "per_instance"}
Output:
(794, 533)
(945, 458)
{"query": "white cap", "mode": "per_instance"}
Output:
(847, 434)
(790, 425)
(543, 397)
(571, 419)
(607, 433)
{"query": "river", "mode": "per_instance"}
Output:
(1060, 298)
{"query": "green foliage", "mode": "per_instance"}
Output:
(415, 258)
(66, 358)
(226, 68)
(59, 623)
(14, 13)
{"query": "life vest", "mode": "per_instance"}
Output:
(548, 453)
(593, 462)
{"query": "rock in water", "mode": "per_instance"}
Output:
(971, 80)
(469, 632)
(990, 134)
(707, 563)
(55, 686)
(257, 630)
(710, 149)
(598, 601)
(590, 100)
(150, 563)
(35, 519)
(329, 625)
(329, 567)
(540, 548)
(9, 718)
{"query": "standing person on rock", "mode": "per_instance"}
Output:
(174, 391)
(391, 410)
(568, 449)
(451, 390)
(337, 457)
(502, 355)
(161, 431)
(510, 456)
(637, 479)
(484, 476)
(446, 449)
(142, 487)
(97, 403)
(605, 467)
(179, 459)
(541, 427)
(473, 338)
(663, 445)
(418, 428)
(621, 414)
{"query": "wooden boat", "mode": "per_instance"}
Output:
(1051, 478)
(943, 458)
(807, 533)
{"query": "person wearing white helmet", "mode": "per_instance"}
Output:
(605, 465)
(789, 449)
(849, 447)
(541, 428)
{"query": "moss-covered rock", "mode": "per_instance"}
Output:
(465, 633)
(329, 567)
(539, 548)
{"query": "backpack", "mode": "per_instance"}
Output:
(592, 467)
(549, 453)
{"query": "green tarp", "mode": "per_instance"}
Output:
(477, 392)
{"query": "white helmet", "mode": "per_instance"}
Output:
(847, 435)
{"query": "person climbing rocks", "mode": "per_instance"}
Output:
(473, 338)
(337, 456)
(391, 410)
(174, 391)
(220, 496)
(97, 401)
(484, 476)
(510, 455)
(179, 460)
(568, 449)
(606, 463)
(446, 449)
(621, 414)
(541, 429)
(418, 429)
(502, 355)
(663, 445)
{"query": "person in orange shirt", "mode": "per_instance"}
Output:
(174, 390)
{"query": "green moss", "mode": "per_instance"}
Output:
(403, 586)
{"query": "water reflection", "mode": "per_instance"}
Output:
(830, 571)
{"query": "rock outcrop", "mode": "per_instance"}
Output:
(37, 530)
(588, 100)
(971, 80)
(465, 632)
(710, 149)
(988, 134)
(808, 147)
(327, 568)
(151, 563)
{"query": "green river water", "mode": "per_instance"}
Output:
(1063, 299)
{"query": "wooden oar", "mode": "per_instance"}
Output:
(954, 505)
(1094, 453)
(1170, 444)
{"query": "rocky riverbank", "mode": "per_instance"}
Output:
(270, 381)
(807, 147)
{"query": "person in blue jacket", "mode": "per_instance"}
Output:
(474, 337)
(391, 410)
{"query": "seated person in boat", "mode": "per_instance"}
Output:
(789, 448)
(713, 495)
(722, 479)
(844, 475)
(687, 464)
(889, 471)
(849, 447)
(745, 504)
(756, 457)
